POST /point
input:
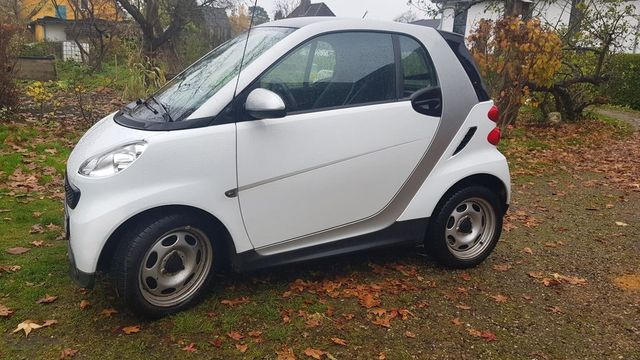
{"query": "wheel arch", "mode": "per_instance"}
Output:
(108, 250)
(489, 181)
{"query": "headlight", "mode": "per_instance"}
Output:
(114, 161)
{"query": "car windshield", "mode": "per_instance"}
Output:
(183, 95)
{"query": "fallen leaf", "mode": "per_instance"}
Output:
(109, 312)
(378, 311)
(36, 214)
(527, 250)
(242, 347)
(27, 326)
(286, 353)
(463, 307)
(49, 323)
(409, 334)
(47, 299)
(536, 274)
(37, 243)
(217, 342)
(620, 223)
(10, 268)
(554, 309)
(628, 282)
(314, 353)
(235, 335)
(191, 348)
(5, 311)
(368, 301)
(234, 302)
(134, 329)
(501, 267)
(404, 313)
(255, 334)
(465, 276)
(84, 304)
(486, 335)
(499, 298)
(36, 229)
(339, 341)
(382, 356)
(457, 322)
(68, 353)
(18, 250)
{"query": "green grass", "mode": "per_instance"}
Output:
(594, 248)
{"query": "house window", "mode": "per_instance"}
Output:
(61, 12)
(460, 20)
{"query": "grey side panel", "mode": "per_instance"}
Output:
(459, 98)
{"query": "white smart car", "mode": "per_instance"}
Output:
(326, 136)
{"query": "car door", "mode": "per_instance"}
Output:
(349, 142)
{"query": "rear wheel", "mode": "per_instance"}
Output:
(466, 227)
(165, 265)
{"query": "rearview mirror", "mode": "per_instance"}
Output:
(265, 104)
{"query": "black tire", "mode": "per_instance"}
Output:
(449, 232)
(138, 245)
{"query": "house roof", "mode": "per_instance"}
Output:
(434, 23)
(306, 9)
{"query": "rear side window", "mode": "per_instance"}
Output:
(335, 70)
(456, 43)
(417, 69)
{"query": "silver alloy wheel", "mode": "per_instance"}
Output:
(175, 267)
(470, 228)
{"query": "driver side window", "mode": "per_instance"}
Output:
(335, 70)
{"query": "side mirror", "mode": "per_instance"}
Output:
(265, 104)
(428, 101)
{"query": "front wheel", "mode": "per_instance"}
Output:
(165, 265)
(465, 228)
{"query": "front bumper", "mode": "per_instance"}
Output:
(81, 278)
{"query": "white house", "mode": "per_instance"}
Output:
(461, 16)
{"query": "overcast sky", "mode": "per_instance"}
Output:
(378, 9)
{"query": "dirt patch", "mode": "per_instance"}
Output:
(628, 282)
(626, 116)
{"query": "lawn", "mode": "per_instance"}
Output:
(563, 283)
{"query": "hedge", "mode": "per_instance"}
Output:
(624, 86)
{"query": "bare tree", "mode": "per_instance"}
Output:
(284, 7)
(408, 16)
(149, 15)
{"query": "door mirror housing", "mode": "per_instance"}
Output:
(428, 101)
(265, 104)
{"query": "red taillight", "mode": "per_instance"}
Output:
(494, 136)
(494, 114)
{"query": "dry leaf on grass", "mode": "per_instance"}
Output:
(68, 353)
(129, 330)
(286, 353)
(37, 243)
(620, 223)
(501, 267)
(457, 322)
(255, 333)
(314, 353)
(27, 326)
(36, 229)
(409, 334)
(5, 311)
(217, 342)
(499, 298)
(84, 304)
(191, 348)
(235, 335)
(109, 312)
(18, 250)
(47, 299)
(234, 302)
(10, 268)
(339, 341)
(368, 301)
(242, 347)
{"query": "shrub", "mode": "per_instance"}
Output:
(8, 95)
(624, 85)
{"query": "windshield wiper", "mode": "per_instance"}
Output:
(146, 104)
(166, 110)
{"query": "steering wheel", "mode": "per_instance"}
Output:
(281, 88)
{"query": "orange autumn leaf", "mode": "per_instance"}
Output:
(68, 353)
(242, 347)
(134, 329)
(314, 353)
(368, 301)
(286, 353)
(5, 311)
(234, 302)
(84, 304)
(339, 341)
(47, 299)
(109, 312)
(191, 348)
(409, 334)
(235, 335)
